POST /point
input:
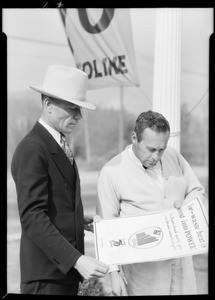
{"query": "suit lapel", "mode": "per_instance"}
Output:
(58, 155)
(77, 188)
(65, 167)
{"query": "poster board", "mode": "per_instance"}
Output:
(152, 237)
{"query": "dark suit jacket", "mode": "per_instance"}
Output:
(50, 208)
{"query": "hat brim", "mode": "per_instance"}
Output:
(83, 104)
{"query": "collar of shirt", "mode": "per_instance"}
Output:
(52, 131)
(133, 157)
(156, 168)
(154, 172)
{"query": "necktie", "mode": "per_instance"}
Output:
(66, 148)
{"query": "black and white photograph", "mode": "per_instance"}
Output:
(107, 117)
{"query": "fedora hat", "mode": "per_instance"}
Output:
(66, 83)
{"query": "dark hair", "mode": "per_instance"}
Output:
(43, 97)
(152, 120)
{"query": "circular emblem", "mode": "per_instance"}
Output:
(102, 24)
(146, 238)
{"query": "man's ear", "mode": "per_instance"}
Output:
(48, 104)
(134, 137)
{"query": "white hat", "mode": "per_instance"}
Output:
(66, 83)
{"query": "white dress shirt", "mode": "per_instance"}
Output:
(52, 131)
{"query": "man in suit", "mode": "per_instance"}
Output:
(52, 259)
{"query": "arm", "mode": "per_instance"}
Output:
(118, 284)
(108, 205)
(193, 185)
(88, 223)
(108, 200)
(90, 267)
(30, 171)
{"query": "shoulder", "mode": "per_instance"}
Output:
(171, 151)
(30, 154)
(30, 142)
(116, 162)
(113, 166)
(30, 148)
(171, 155)
(174, 156)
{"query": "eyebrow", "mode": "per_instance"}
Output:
(67, 105)
(152, 148)
(71, 106)
(75, 107)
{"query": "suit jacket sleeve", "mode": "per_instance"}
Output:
(30, 172)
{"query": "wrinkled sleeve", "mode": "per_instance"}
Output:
(193, 185)
(108, 202)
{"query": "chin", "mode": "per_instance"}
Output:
(149, 165)
(70, 129)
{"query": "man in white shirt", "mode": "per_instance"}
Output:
(148, 176)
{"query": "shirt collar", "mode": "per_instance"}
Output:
(137, 161)
(133, 157)
(52, 131)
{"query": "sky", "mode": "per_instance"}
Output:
(28, 60)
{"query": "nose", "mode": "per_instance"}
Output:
(155, 156)
(78, 114)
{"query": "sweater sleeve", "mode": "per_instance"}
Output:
(193, 185)
(108, 202)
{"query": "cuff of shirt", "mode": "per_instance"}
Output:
(113, 268)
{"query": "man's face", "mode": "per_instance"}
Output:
(64, 115)
(150, 149)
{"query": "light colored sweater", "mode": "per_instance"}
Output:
(126, 188)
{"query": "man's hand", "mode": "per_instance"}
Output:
(88, 223)
(118, 284)
(178, 204)
(90, 267)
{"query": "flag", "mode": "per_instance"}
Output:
(102, 45)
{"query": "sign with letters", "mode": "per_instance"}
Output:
(102, 45)
(152, 237)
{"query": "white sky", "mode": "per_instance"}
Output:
(46, 25)
(27, 61)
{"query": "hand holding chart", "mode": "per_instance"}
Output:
(152, 237)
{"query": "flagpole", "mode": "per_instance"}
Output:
(121, 120)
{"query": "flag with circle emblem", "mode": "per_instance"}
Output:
(102, 45)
